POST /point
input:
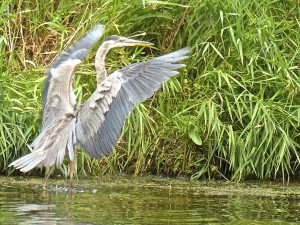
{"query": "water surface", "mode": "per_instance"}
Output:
(150, 200)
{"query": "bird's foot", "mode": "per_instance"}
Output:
(71, 184)
(45, 185)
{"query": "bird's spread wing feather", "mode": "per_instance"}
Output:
(100, 119)
(57, 134)
(58, 95)
(80, 49)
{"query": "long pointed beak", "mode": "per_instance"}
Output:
(133, 42)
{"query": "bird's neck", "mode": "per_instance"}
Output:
(100, 62)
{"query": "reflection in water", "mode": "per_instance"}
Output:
(149, 203)
(45, 213)
(36, 214)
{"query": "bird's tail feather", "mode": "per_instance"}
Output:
(28, 162)
(50, 146)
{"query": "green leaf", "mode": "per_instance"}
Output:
(194, 134)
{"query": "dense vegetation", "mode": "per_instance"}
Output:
(232, 113)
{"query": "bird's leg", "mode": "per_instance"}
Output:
(72, 169)
(45, 183)
(71, 172)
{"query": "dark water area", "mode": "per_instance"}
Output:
(150, 200)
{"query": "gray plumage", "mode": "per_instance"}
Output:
(57, 90)
(97, 123)
(116, 96)
(57, 135)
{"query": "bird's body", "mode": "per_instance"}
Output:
(96, 125)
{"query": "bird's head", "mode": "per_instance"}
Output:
(119, 41)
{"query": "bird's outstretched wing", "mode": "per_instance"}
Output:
(100, 119)
(57, 133)
(58, 95)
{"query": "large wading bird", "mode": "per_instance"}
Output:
(96, 124)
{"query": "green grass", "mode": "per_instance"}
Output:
(232, 113)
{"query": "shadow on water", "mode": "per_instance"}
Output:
(151, 200)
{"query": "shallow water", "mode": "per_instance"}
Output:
(150, 200)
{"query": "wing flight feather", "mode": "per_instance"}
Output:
(100, 119)
(58, 127)
(58, 95)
